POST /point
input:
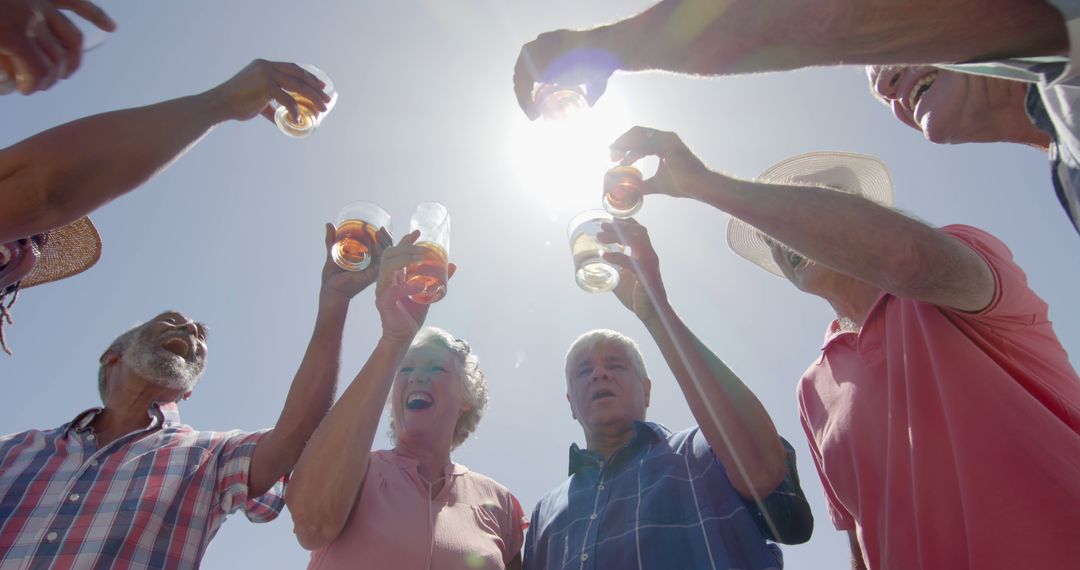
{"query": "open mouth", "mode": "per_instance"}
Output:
(178, 346)
(419, 401)
(601, 394)
(920, 88)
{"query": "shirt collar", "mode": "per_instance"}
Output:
(643, 432)
(160, 413)
(407, 462)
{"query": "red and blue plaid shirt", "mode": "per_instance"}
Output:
(151, 499)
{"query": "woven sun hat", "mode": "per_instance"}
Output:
(69, 250)
(859, 174)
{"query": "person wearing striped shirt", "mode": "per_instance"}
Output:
(716, 495)
(128, 485)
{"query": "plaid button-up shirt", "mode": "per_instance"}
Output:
(151, 499)
(662, 502)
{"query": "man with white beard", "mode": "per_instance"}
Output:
(127, 485)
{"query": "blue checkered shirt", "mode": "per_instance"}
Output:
(662, 502)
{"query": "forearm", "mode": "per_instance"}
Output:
(895, 253)
(732, 419)
(331, 470)
(57, 176)
(310, 396)
(713, 37)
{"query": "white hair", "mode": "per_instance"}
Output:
(588, 341)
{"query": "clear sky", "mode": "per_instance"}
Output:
(232, 233)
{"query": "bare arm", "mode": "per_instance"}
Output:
(313, 388)
(53, 178)
(719, 37)
(331, 471)
(732, 419)
(847, 233)
(737, 36)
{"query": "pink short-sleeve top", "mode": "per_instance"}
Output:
(472, 523)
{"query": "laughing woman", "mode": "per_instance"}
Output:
(410, 506)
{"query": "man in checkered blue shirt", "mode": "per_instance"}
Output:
(127, 485)
(639, 496)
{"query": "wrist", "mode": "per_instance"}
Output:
(331, 300)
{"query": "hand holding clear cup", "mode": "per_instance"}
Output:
(51, 49)
(592, 272)
(309, 116)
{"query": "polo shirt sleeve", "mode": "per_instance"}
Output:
(784, 516)
(1014, 304)
(840, 517)
(231, 479)
(514, 529)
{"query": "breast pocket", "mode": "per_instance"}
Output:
(164, 475)
(665, 492)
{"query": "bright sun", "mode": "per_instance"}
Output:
(560, 164)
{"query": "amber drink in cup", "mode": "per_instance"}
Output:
(558, 101)
(623, 191)
(309, 116)
(433, 221)
(355, 234)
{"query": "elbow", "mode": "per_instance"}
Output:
(313, 530)
(312, 534)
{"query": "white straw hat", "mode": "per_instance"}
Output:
(859, 174)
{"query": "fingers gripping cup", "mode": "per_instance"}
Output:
(592, 273)
(92, 37)
(559, 102)
(309, 116)
(433, 221)
(355, 234)
(623, 191)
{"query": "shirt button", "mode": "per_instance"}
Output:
(592, 517)
(51, 536)
(90, 437)
(93, 463)
(601, 487)
(584, 557)
(73, 497)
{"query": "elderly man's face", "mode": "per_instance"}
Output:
(17, 259)
(169, 351)
(604, 388)
(950, 107)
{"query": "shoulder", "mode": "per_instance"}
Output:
(28, 438)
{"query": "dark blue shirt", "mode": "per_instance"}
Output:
(662, 502)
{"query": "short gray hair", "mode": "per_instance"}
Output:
(121, 343)
(588, 341)
(476, 392)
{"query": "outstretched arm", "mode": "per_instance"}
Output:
(845, 232)
(313, 387)
(717, 37)
(732, 419)
(53, 178)
(332, 469)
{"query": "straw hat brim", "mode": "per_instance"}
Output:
(860, 174)
(70, 250)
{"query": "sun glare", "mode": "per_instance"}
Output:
(560, 164)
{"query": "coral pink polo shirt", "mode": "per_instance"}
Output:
(951, 440)
(473, 523)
